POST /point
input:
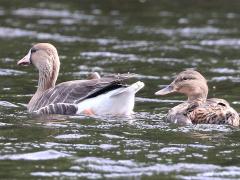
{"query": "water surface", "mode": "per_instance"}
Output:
(155, 40)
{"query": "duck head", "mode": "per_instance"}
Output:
(189, 82)
(45, 58)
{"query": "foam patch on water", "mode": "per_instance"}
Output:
(36, 156)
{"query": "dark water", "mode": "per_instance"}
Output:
(155, 40)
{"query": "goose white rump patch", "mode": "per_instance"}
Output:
(117, 102)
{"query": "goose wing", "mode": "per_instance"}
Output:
(73, 92)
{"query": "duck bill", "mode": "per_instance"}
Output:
(26, 61)
(166, 90)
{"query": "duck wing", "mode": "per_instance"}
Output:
(178, 114)
(214, 111)
(65, 96)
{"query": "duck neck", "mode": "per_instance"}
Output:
(199, 96)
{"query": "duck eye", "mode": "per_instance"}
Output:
(33, 50)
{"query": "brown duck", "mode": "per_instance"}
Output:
(198, 109)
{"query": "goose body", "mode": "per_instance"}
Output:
(198, 109)
(96, 95)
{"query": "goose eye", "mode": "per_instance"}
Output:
(33, 50)
(221, 104)
(184, 78)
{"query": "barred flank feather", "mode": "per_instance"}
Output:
(59, 108)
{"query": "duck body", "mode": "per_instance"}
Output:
(213, 111)
(198, 109)
(94, 96)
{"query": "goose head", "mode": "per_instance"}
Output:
(190, 83)
(45, 58)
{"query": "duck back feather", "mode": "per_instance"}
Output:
(213, 111)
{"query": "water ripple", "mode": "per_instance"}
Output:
(185, 32)
(234, 43)
(29, 12)
(7, 104)
(71, 136)
(224, 70)
(112, 55)
(111, 136)
(67, 174)
(6, 32)
(172, 150)
(225, 78)
(129, 168)
(41, 155)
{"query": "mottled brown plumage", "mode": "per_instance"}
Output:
(198, 109)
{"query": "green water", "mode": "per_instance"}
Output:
(155, 40)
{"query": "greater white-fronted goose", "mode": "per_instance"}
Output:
(97, 95)
(198, 109)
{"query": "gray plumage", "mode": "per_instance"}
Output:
(66, 98)
(62, 99)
